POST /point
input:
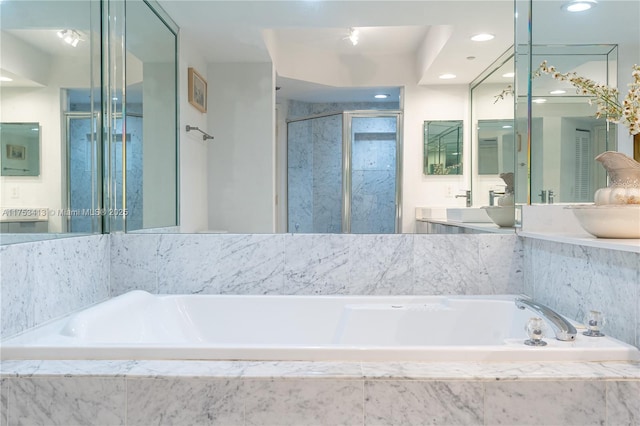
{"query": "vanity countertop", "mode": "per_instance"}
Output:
(478, 226)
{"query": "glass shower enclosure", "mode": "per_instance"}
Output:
(344, 173)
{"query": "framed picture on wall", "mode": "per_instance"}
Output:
(197, 90)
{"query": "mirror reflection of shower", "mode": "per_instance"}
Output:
(343, 171)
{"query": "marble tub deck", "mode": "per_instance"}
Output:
(281, 393)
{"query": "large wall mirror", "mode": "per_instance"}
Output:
(443, 146)
(565, 134)
(86, 174)
(494, 142)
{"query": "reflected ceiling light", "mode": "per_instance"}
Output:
(381, 96)
(539, 101)
(557, 92)
(354, 35)
(71, 37)
(507, 126)
(447, 76)
(6, 79)
(482, 37)
(579, 5)
(509, 75)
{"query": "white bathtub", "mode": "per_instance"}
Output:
(139, 325)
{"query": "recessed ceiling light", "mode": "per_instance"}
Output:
(579, 5)
(539, 101)
(509, 75)
(6, 79)
(447, 76)
(482, 37)
(507, 126)
(471, 58)
(557, 92)
(381, 96)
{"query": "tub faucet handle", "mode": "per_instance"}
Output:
(594, 321)
(536, 329)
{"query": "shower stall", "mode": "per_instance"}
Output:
(344, 173)
(84, 162)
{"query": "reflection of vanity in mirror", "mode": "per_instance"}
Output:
(66, 162)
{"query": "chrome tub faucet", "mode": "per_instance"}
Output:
(563, 329)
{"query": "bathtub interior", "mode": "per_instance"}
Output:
(142, 325)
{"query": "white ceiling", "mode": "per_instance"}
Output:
(235, 31)
(433, 34)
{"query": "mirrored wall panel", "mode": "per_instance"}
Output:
(443, 147)
(494, 142)
(50, 52)
(76, 157)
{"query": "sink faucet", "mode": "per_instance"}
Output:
(543, 196)
(467, 195)
(551, 196)
(493, 195)
(563, 329)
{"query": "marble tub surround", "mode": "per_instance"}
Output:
(244, 393)
(317, 264)
(574, 279)
(47, 279)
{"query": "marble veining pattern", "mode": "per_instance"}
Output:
(623, 403)
(292, 402)
(578, 403)
(17, 287)
(47, 279)
(423, 403)
(187, 264)
(447, 265)
(575, 279)
(262, 260)
(67, 401)
(316, 264)
(192, 401)
(134, 263)
(381, 265)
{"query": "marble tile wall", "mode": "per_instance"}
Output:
(293, 393)
(315, 168)
(575, 279)
(308, 264)
(43, 280)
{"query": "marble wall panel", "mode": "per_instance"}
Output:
(574, 279)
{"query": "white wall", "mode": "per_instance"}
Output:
(40, 105)
(193, 150)
(241, 116)
(425, 103)
(158, 153)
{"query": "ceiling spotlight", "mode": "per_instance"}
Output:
(447, 76)
(539, 101)
(6, 79)
(482, 37)
(381, 96)
(509, 75)
(354, 34)
(579, 5)
(557, 92)
(71, 37)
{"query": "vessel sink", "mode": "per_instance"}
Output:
(468, 214)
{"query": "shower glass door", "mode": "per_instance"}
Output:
(372, 173)
(83, 184)
(343, 173)
(314, 174)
